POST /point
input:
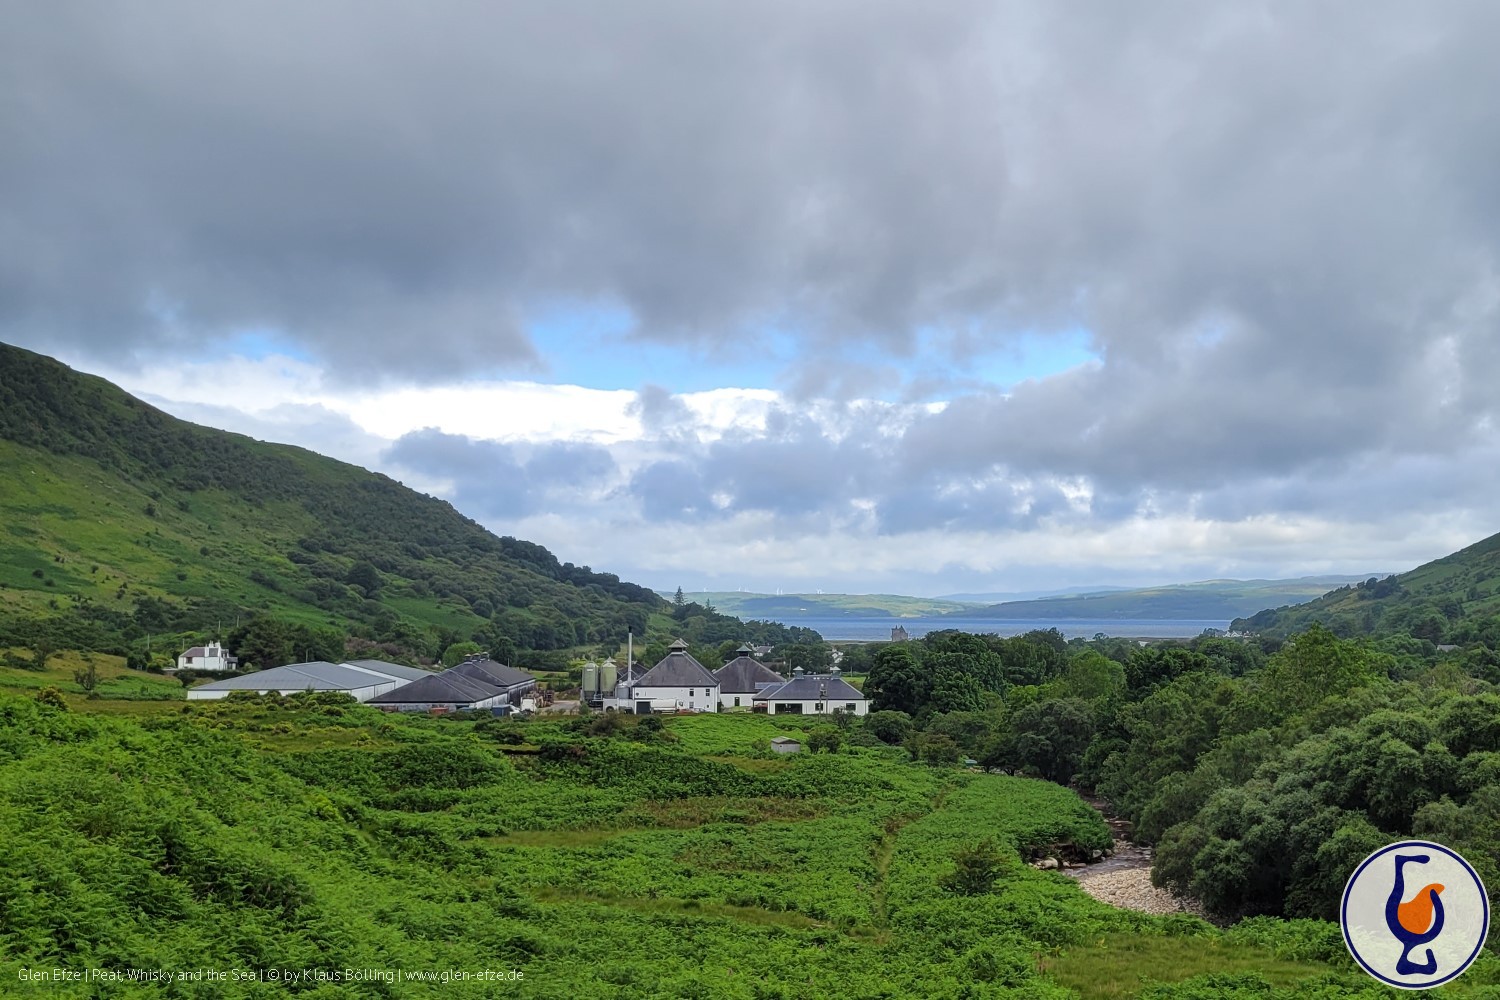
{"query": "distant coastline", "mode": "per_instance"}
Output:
(860, 629)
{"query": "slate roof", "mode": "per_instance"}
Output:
(807, 689)
(743, 675)
(319, 675)
(677, 669)
(439, 689)
(491, 672)
(395, 671)
(202, 651)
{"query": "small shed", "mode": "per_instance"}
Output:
(785, 744)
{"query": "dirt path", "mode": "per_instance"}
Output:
(885, 847)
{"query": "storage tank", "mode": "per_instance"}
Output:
(609, 674)
(590, 678)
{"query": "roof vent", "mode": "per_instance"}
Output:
(798, 671)
(679, 646)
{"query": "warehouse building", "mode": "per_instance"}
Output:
(479, 683)
(361, 679)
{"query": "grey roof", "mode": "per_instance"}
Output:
(439, 689)
(491, 672)
(319, 675)
(395, 671)
(678, 669)
(743, 675)
(783, 740)
(808, 688)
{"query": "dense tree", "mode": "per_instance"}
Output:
(954, 689)
(457, 652)
(890, 727)
(1051, 737)
(897, 680)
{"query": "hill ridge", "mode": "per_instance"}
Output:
(1454, 598)
(117, 505)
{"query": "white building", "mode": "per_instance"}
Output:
(210, 659)
(742, 678)
(363, 680)
(813, 694)
(678, 683)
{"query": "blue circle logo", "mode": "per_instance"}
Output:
(1414, 915)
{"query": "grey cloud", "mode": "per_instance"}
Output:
(494, 480)
(488, 481)
(661, 414)
(1279, 225)
(566, 463)
(854, 171)
(671, 491)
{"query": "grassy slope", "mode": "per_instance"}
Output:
(260, 835)
(789, 607)
(1210, 600)
(101, 490)
(1465, 584)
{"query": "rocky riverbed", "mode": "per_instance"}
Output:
(1122, 876)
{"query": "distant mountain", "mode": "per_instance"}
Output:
(1026, 595)
(1454, 599)
(788, 607)
(120, 520)
(1209, 600)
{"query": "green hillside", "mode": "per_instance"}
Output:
(784, 607)
(593, 858)
(1454, 599)
(121, 521)
(1210, 600)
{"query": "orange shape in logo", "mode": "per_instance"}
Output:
(1416, 915)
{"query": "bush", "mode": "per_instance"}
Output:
(974, 870)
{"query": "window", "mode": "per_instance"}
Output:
(849, 707)
(818, 707)
(690, 692)
(736, 702)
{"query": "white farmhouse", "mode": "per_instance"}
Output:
(678, 683)
(209, 659)
(813, 694)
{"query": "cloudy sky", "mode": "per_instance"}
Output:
(845, 295)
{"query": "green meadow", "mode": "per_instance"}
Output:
(590, 857)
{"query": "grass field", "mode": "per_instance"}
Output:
(115, 681)
(304, 833)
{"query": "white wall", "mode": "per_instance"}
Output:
(861, 706)
(697, 699)
(360, 694)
